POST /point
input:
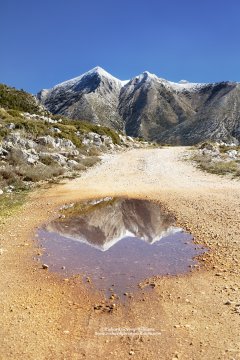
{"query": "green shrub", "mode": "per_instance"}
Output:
(14, 113)
(3, 114)
(4, 132)
(11, 98)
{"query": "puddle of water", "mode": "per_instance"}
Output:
(117, 243)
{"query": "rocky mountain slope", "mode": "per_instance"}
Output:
(93, 96)
(150, 107)
(38, 146)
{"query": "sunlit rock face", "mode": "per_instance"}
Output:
(107, 222)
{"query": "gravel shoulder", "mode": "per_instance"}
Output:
(195, 316)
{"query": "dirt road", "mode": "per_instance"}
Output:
(195, 316)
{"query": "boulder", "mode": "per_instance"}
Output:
(59, 158)
(72, 163)
(232, 154)
(47, 141)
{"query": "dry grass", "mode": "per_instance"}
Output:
(90, 161)
(219, 167)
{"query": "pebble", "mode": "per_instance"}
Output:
(45, 266)
(228, 302)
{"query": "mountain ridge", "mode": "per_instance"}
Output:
(150, 107)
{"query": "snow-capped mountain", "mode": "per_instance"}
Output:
(150, 107)
(93, 96)
(105, 225)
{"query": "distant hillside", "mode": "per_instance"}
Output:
(37, 146)
(11, 98)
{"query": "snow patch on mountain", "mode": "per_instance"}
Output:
(185, 85)
(95, 71)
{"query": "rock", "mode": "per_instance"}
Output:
(45, 266)
(60, 159)
(10, 126)
(228, 302)
(72, 163)
(129, 138)
(30, 144)
(97, 141)
(131, 352)
(67, 206)
(72, 153)
(56, 130)
(1, 191)
(65, 143)
(56, 142)
(47, 141)
(232, 154)
(3, 152)
(32, 159)
(86, 141)
(106, 140)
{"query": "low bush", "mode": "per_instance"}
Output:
(39, 172)
(216, 167)
(90, 161)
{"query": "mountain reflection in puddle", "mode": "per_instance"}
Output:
(117, 242)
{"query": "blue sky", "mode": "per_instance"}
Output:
(46, 42)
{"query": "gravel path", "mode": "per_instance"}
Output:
(194, 316)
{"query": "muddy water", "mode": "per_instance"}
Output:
(117, 243)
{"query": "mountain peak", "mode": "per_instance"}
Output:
(147, 73)
(146, 76)
(98, 70)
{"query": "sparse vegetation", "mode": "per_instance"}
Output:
(11, 98)
(90, 161)
(224, 148)
(216, 159)
(25, 159)
(11, 202)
